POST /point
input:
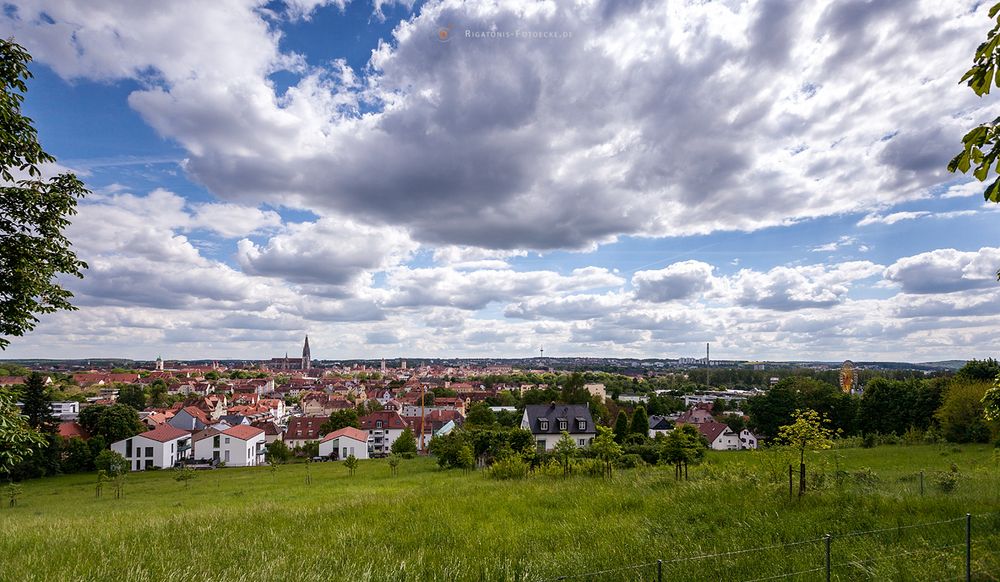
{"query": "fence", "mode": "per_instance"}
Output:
(825, 555)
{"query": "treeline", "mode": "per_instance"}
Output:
(927, 409)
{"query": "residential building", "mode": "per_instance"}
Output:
(160, 447)
(548, 421)
(237, 446)
(597, 390)
(304, 429)
(190, 418)
(659, 425)
(342, 443)
(383, 427)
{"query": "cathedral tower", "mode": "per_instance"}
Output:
(306, 357)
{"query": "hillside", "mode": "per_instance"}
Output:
(426, 524)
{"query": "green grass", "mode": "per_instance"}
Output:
(426, 524)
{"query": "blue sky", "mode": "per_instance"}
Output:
(610, 179)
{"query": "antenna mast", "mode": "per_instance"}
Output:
(708, 367)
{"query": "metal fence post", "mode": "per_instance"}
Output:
(789, 482)
(659, 571)
(968, 547)
(829, 538)
(921, 482)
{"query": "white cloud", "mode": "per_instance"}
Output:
(945, 271)
(679, 281)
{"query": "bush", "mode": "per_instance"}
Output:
(865, 477)
(629, 461)
(512, 467)
(946, 481)
(649, 453)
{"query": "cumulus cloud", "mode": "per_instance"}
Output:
(790, 288)
(678, 281)
(945, 271)
(682, 134)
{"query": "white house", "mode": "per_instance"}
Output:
(237, 446)
(160, 447)
(383, 428)
(344, 442)
(66, 410)
(548, 421)
(722, 438)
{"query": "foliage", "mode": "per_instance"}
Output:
(76, 456)
(806, 433)
(683, 446)
(564, 451)
(777, 407)
(991, 402)
(466, 458)
(111, 462)
(17, 438)
(132, 395)
(962, 413)
(640, 422)
(404, 443)
(113, 423)
(946, 481)
(33, 211)
(605, 449)
(480, 416)
(986, 370)
(38, 405)
(511, 467)
(351, 462)
(393, 462)
(621, 427)
(13, 491)
(277, 452)
(184, 474)
(340, 419)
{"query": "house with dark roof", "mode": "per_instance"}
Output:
(304, 429)
(383, 428)
(659, 425)
(547, 422)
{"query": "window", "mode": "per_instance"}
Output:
(128, 448)
(138, 465)
(581, 424)
(149, 451)
(215, 455)
(378, 424)
(227, 456)
(149, 463)
(582, 442)
(345, 453)
(215, 441)
(543, 424)
(540, 445)
(227, 440)
(172, 449)
(562, 424)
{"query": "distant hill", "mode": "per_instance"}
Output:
(949, 364)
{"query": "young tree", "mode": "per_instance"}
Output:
(606, 449)
(621, 427)
(405, 443)
(640, 422)
(565, 450)
(351, 462)
(277, 452)
(681, 447)
(17, 439)
(466, 459)
(38, 405)
(806, 433)
(393, 464)
(33, 211)
(111, 462)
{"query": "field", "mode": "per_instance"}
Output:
(427, 524)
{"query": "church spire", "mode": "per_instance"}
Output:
(306, 356)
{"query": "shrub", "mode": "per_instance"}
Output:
(629, 461)
(111, 462)
(946, 481)
(865, 477)
(511, 467)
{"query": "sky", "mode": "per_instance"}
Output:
(621, 178)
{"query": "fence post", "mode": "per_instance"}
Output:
(828, 540)
(659, 571)
(921, 482)
(968, 547)
(789, 482)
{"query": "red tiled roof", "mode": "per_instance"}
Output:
(389, 418)
(305, 427)
(712, 430)
(72, 429)
(197, 413)
(243, 432)
(164, 433)
(348, 431)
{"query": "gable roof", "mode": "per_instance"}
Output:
(72, 429)
(243, 432)
(305, 427)
(712, 430)
(348, 431)
(553, 413)
(657, 422)
(164, 433)
(390, 419)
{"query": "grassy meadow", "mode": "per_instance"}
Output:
(428, 524)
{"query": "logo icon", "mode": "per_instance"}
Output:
(444, 34)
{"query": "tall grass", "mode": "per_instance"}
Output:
(427, 524)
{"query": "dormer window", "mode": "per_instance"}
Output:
(378, 424)
(562, 424)
(581, 424)
(543, 424)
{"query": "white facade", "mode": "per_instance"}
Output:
(344, 446)
(726, 441)
(235, 451)
(66, 410)
(144, 453)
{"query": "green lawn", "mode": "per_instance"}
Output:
(426, 524)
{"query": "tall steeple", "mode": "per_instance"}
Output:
(306, 357)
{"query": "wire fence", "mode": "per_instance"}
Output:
(953, 555)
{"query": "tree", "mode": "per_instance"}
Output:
(158, 393)
(640, 422)
(393, 464)
(466, 459)
(806, 433)
(341, 419)
(480, 415)
(112, 423)
(404, 443)
(565, 450)
(33, 211)
(132, 395)
(621, 427)
(111, 462)
(76, 457)
(962, 414)
(606, 449)
(986, 370)
(17, 438)
(991, 402)
(683, 446)
(38, 405)
(351, 462)
(277, 452)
